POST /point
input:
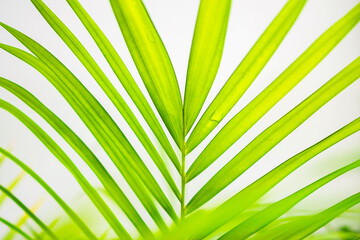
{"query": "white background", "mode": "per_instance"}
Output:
(175, 22)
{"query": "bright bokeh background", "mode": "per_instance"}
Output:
(175, 23)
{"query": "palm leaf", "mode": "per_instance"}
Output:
(2, 158)
(41, 235)
(274, 134)
(301, 227)
(65, 160)
(99, 122)
(90, 64)
(125, 78)
(205, 56)
(266, 216)
(28, 212)
(158, 214)
(77, 144)
(248, 116)
(57, 198)
(246, 72)
(201, 225)
(15, 228)
(12, 185)
(24, 219)
(152, 62)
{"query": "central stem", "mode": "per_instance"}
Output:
(182, 198)
(182, 173)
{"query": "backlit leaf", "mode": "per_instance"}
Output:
(246, 72)
(98, 121)
(152, 62)
(205, 55)
(28, 212)
(56, 197)
(90, 64)
(302, 227)
(125, 78)
(15, 228)
(270, 137)
(66, 161)
(263, 102)
(269, 214)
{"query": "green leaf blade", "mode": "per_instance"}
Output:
(262, 103)
(15, 228)
(66, 161)
(69, 136)
(125, 78)
(275, 133)
(77, 220)
(205, 55)
(209, 222)
(152, 62)
(106, 179)
(28, 212)
(12, 185)
(100, 124)
(86, 59)
(269, 214)
(301, 227)
(246, 72)
(321, 219)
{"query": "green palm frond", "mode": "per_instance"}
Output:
(15, 228)
(12, 185)
(144, 162)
